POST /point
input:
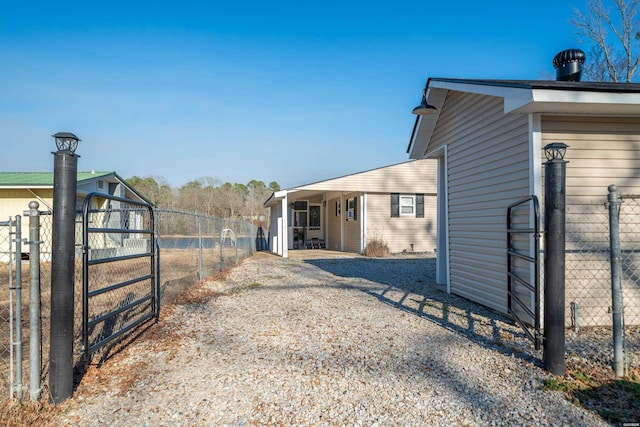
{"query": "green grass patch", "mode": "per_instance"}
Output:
(556, 384)
(617, 400)
(254, 285)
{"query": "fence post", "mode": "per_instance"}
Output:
(554, 258)
(235, 243)
(16, 386)
(62, 274)
(617, 309)
(158, 236)
(200, 259)
(221, 228)
(34, 301)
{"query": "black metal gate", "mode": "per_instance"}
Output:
(523, 266)
(120, 286)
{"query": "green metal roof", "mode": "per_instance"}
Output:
(41, 179)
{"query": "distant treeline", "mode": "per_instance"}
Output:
(208, 196)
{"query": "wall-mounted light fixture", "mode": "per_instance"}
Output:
(424, 109)
(555, 150)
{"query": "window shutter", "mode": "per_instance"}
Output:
(395, 205)
(419, 205)
(355, 208)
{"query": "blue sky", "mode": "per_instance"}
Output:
(285, 91)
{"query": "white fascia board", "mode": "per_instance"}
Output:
(579, 102)
(412, 144)
(584, 97)
(24, 187)
(427, 124)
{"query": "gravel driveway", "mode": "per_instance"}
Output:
(345, 341)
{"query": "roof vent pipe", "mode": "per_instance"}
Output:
(568, 65)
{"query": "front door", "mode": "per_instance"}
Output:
(315, 222)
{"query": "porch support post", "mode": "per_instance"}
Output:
(284, 233)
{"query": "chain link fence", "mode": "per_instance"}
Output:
(14, 375)
(192, 246)
(589, 282)
(7, 307)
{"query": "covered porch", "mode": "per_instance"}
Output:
(306, 220)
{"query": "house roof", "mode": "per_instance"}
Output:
(45, 180)
(531, 96)
(42, 179)
(548, 84)
(399, 177)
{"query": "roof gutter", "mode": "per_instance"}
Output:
(276, 195)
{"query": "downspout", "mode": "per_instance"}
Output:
(325, 219)
(443, 264)
(535, 178)
(343, 209)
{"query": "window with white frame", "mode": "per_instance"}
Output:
(407, 205)
(351, 209)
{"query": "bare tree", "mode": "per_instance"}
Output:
(232, 199)
(208, 196)
(614, 37)
(258, 192)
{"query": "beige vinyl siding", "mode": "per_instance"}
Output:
(400, 232)
(14, 202)
(488, 169)
(601, 152)
(333, 226)
(418, 176)
(352, 228)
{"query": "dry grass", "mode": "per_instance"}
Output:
(115, 373)
(179, 281)
(15, 413)
(376, 248)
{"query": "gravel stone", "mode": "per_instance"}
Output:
(344, 342)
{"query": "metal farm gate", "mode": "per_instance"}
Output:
(523, 266)
(120, 286)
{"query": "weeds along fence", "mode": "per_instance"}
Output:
(590, 283)
(16, 290)
(191, 246)
(194, 246)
